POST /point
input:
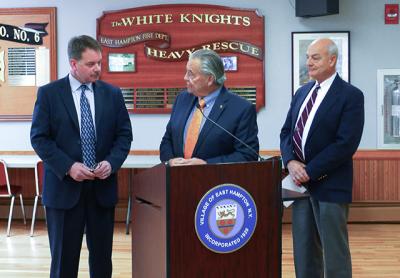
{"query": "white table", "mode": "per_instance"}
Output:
(131, 162)
(141, 161)
(20, 161)
(29, 161)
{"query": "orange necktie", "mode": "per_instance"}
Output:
(194, 130)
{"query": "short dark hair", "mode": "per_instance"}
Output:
(77, 45)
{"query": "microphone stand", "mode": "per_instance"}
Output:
(225, 130)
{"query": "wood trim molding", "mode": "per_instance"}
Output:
(360, 154)
(376, 191)
(17, 152)
(132, 152)
(377, 155)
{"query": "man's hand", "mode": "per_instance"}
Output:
(103, 170)
(180, 161)
(196, 161)
(80, 172)
(297, 172)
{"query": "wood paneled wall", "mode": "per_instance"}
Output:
(377, 176)
(376, 191)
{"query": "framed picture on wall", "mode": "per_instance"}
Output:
(28, 58)
(300, 43)
(230, 63)
(388, 108)
(121, 62)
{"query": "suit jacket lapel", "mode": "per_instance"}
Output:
(182, 121)
(218, 108)
(98, 94)
(327, 102)
(66, 96)
(302, 96)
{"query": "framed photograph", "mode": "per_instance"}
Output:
(388, 108)
(121, 62)
(230, 63)
(28, 58)
(300, 43)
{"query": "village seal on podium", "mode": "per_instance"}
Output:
(225, 218)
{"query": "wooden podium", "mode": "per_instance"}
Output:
(164, 239)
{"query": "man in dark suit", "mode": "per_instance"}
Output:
(82, 131)
(189, 138)
(321, 133)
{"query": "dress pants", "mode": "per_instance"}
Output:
(66, 229)
(320, 239)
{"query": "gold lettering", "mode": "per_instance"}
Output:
(127, 21)
(246, 21)
(151, 52)
(207, 18)
(236, 18)
(216, 46)
(254, 51)
(225, 19)
(184, 18)
(190, 51)
(171, 55)
(244, 48)
(168, 18)
(158, 18)
(233, 46)
(199, 18)
(214, 18)
(179, 54)
(141, 18)
(224, 45)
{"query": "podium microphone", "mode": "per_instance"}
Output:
(226, 131)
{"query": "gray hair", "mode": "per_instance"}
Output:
(332, 49)
(210, 63)
(77, 45)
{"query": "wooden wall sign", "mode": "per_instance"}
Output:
(145, 51)
(28, 58)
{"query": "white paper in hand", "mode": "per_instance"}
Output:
(288, 183)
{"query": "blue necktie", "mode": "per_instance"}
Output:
(88, 135)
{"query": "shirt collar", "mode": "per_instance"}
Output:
(327, 82)
(209, 99)
(75, 83)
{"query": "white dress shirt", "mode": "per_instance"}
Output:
(76, 94)
(325, 85)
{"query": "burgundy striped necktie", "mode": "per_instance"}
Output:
(298, 131)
